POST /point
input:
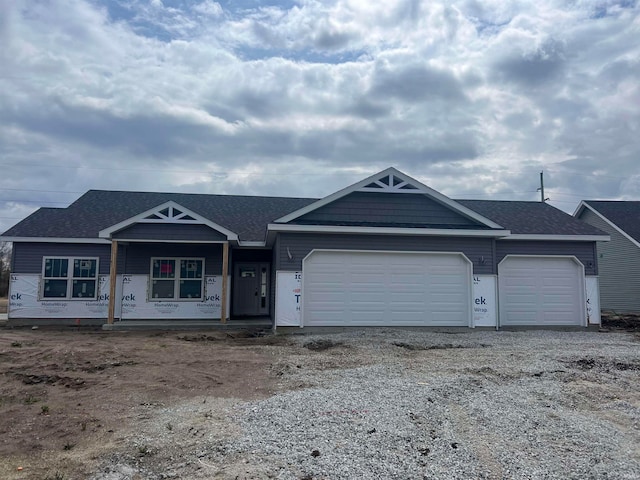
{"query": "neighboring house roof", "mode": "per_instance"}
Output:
(623, 214)
(531, 218)
(96, 210)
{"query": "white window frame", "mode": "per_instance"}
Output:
(69, 278)
(177, 279)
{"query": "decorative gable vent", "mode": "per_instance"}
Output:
(390, 184)
(168, 214)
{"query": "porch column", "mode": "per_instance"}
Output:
(225, 280)
(112, 280)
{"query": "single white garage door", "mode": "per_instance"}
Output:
(541, 291)
(352, 288)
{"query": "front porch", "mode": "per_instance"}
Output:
(259, 324)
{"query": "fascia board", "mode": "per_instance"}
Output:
(564, 238)
(278, 227)
(54, 240)
(107, 232)
(391, 171)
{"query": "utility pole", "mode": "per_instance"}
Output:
(541, 189)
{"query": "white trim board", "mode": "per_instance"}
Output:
(143, 218)
(99, 241)
(390, 172)
(552, 237)
(276, 227)
(584, 205)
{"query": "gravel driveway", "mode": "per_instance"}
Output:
(403, 404)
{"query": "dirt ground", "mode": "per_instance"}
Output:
(71, 401)
(67, 399)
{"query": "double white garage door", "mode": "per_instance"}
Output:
(355, 288)
(386, 289)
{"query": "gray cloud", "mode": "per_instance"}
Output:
(416, 83)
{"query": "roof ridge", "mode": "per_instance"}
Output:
(195, 194)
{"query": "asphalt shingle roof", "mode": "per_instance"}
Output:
(96, 210)
(624, 214)
(533, 218)
(248, 216)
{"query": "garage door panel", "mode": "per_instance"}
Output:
(387, 288)
(541, 291)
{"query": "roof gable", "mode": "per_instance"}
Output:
(376, 209)
(392, 181)
(171, 213)
(622, 215)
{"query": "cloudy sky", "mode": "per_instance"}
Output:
(302, 98)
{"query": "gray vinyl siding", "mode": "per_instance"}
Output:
(169, 231)
(138, 256)
(27, 257)
(619, 268)
(381, 208)
(583, 251)
(300, 244)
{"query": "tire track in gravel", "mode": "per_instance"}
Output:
(480, 446)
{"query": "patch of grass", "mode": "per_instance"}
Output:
(16, 344)
(144, 450)
(30, 400)
(44, 410)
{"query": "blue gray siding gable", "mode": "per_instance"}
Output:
(169, 231)
(387, 209)
(619, 268)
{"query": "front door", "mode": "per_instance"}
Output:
(251, 289)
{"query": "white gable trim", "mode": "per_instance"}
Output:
(361, 186)
(584, 205)
(172, 217)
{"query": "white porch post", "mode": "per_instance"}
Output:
(112, 280)
(225, 280)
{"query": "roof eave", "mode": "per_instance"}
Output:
(558, 238)
(341, 229)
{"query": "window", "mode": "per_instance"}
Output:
(70, 278)
(177, 279)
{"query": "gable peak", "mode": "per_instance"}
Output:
(390, 181)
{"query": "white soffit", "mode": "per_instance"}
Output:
(392, 181)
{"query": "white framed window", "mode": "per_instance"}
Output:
(176, 279)
(69, 278)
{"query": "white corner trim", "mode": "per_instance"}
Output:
(277, 227)
(565, 238)
(100, 241)
(607, 221)
(422, 188)
(141, 218)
